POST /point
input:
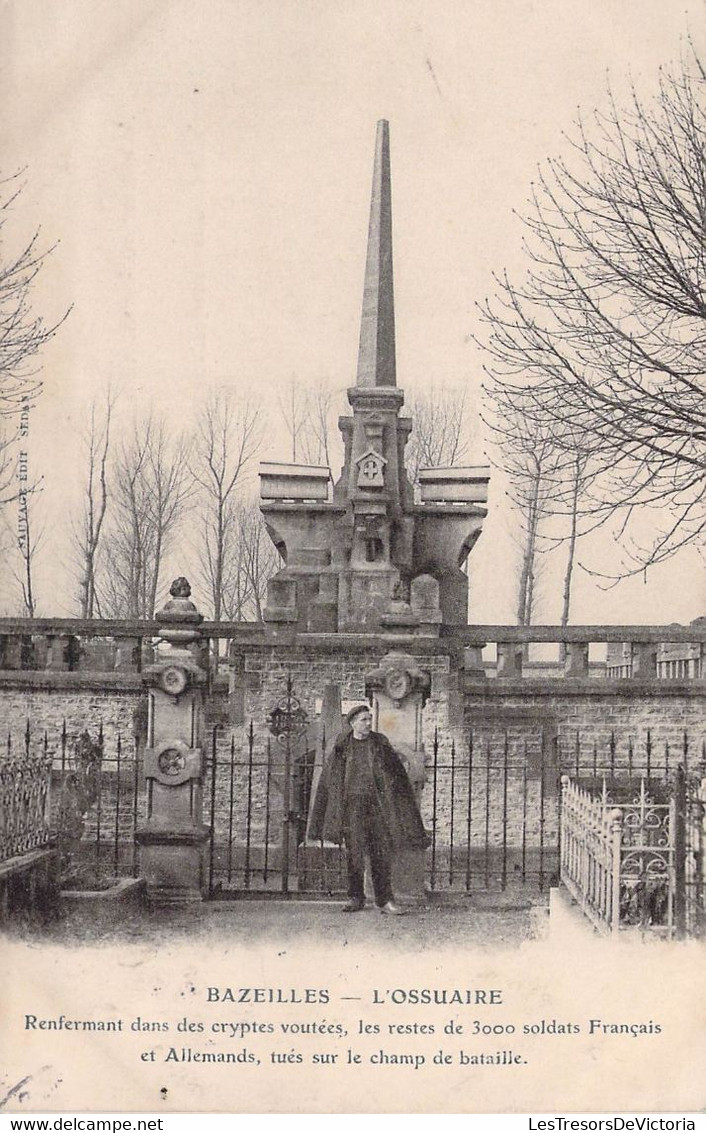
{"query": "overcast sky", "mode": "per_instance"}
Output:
(206, 170)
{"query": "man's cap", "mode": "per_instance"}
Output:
(356, 711)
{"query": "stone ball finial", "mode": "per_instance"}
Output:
(178, 614)
(180, 588)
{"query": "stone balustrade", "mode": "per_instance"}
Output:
(112, 646)
(641, 651)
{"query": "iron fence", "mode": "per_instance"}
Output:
(25, 783)
(90, 808)
(108, 845)
(619, 854)
(590, 855)
(690, 840)
(492, 806)
(259, 796)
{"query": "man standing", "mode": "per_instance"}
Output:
(365, 800)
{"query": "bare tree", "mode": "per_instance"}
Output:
(577, 485)
(151, 489)
(605, 336)
(440, 434)
(89, 526)
(227, 437)
(12, 436)
(308, 413)
(531, 503)
(261, 560)
(28, 542)
(23, 527)
(252, 562)
(320, 440)
(28, 545)
(22, 334)
(550, 472)
(292, 407)
(528, 460)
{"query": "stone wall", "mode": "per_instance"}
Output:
(49, 700)
(260, 672)
(597, 714)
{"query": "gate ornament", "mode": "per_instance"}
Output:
(180, 588)
(174, 679)
(398, 676)
(398, 684)
(287, 719)
(645, 860)
(173, 763)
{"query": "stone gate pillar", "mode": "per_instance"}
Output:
(173, 839)
(399, 690)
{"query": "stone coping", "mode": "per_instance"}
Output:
(21, 863)
(460, 634)
(47, 680)
(598, 634)
(303, 644)
(53, 680)
(628, 687)
(446, 508)
(127, 891)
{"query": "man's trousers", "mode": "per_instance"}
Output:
(366, 833)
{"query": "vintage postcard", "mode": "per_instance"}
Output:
(353, 654)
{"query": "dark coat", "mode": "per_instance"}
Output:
(398, 805)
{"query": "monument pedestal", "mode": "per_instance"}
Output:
(175, 864)
(173, 840)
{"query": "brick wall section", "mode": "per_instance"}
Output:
(597, 710)
(261, 672)
(48, 700)
(543, 728)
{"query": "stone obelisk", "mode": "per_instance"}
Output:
(376, 355)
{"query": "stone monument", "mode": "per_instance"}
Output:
(367, 557)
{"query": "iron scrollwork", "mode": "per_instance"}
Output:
(287, 719)
(645, 864)
(24, 793)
